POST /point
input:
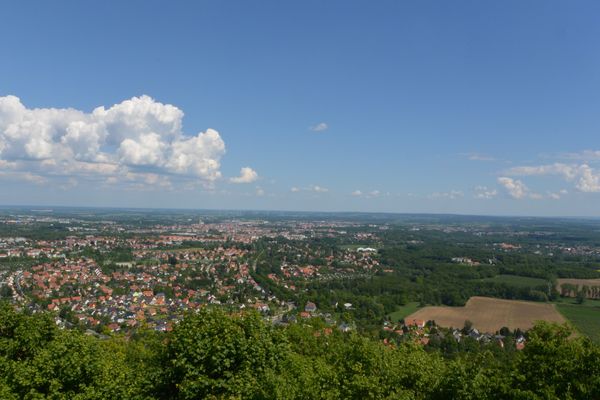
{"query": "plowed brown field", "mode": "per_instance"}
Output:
(489, 315)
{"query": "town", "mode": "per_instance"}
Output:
(108, 275)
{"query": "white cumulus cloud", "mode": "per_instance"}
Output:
(589, 180)
(584, 177)
(515, 188)
(247, 175)
(139, 136)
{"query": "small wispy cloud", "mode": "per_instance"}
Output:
(311, 188)
(24, 176)
(568, 171)
(558, 195)
(478, 157)
(368, 195)
(452, 195)
(70, 184)
(483, 192)
(320, 127)
(585, 155)
(318, 189)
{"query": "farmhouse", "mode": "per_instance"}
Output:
(310, 307)
(415, 323)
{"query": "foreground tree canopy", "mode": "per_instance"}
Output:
(212, 355)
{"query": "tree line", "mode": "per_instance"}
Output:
(215, 355)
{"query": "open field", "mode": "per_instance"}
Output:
(489, 315)
(585, 317)
(403, 311)
(518, 281)
(572, 301)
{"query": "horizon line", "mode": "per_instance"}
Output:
(124, 208)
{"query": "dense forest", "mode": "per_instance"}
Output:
(215, 355)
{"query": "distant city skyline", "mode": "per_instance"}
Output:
(464, 107)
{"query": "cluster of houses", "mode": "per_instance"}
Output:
(161, 279)
(311, 311)
(420, 331)
(155, 294)
(345, 263)
(153, 291)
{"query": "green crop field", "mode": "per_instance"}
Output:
(586, 318)
(573, 301)
(403, 311)
(515, 280)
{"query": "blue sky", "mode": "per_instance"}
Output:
(463, 107)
